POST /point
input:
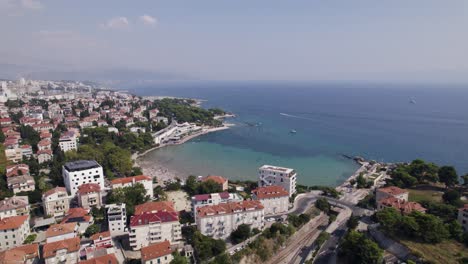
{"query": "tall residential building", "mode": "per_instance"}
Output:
(201, 200)
(79, 172)
(13, 231)
(275, 199)
(219, 221)
(146, 181)
(148, 228)
(272, 175)
(117, 219)
(56, 202)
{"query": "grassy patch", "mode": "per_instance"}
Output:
(448, 251)
(425, 195)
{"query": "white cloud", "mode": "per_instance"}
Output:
(31, 4)
(116, 23)
(148, 20)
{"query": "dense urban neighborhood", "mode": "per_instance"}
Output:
(72, 192)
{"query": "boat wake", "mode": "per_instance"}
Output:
(295, 116)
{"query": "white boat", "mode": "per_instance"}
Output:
(293, 131)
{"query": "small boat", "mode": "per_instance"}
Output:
(412, 101)
(293, 131)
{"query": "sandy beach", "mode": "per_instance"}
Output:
(161, 172)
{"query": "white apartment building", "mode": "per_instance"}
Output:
(272, 175)
(68, 141)
(201, 200)
(275, 199)
(80, 172)
(63, 251)
(13, 231)
(149, 228)
(219, 221)
(117, 219)
(13, 206)
(463, 217)
(131, 181)
(56, 202)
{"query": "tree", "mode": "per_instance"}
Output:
(207, 247)
(2, 137)
(455, 230)
(178, 259)
(389, 218)
(356, 248)
(131, 196)
(448, 175)
(91, 230)
(240, 234)
(361, 181)
(353, 222)
(323, 205)
(452, 197)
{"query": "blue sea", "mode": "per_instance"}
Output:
(384, 122)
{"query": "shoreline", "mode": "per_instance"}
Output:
(160, 171)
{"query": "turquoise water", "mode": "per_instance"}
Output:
(376, 121)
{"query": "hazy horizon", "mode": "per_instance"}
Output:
(364, 40)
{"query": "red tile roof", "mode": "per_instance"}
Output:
(392, 190)
(270, 192)
(228, 208)
(76, 215)
(60, 229)
(106, 259)
(131, 179)
(146, 218)
(13, 222)
(71, 245)
(401, 205)
(156, 251)
(20, 254)
(102, 234)
(44, 151)
(54, 190)
(153, 207)
(217, 179)
(89, 188)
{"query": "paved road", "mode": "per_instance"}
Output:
(328, 251)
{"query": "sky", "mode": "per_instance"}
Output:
(397, 40)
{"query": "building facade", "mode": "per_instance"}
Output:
(13, 206)
(279, 176)
(219, 221)
(117, 219)
(463, 217)
(68, 142)
(149, 228)
(89, 195)
(13, 231)
(56, 202)
(201, 200)
(391, 191)
(275, 199)
(77, 173)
